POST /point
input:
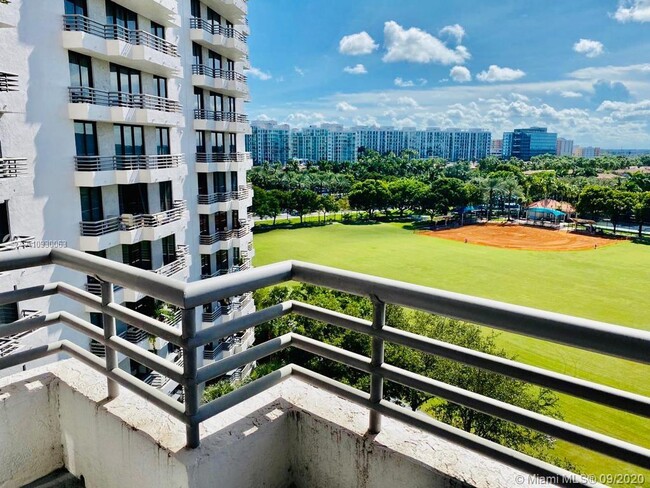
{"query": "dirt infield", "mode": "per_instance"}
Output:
(521, 237)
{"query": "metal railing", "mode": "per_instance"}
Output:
(94, 96)
(220, 197)
(217, 29)
(598, 337)
(80, 23)
(127, 222)
(201, 69)
(12, 243)
(201, 114)
(215, 157)
(8, 82)
(12, 167)
(224, 235)
(128, 163)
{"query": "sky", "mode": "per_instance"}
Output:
(579, 67)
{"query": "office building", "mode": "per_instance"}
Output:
(525, 144)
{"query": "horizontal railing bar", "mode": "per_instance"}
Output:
(133, 351)
(591, 440)
(22, 357)
(152, 284)
(428, 424)
(140, 388)
(30, 324)
(221, 287)
(623, 342)
(242, 394)
(221, 367)
(357, 361)
(124, 314)
(605, 395)
(30, 293)
(24, 258)
(239, 324)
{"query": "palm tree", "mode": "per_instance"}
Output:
(513, 189)
(494, 187)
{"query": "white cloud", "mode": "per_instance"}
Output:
(570, 94)
(456, 31)
(589, 47)
(258, 73)
(496, 73)
(359, 69)
(633, 11)
(299, 70)
(357, 44)
(407, 102)
(624, 110)
(345, 107)
(417, 46)
(402, 83)
(611, 72)
(460, 74)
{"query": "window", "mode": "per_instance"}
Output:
(232, 143)
(5, 229)
(157, 30)
(230, 65)
(118, 15)
(125, 80)
(214, 61)
(221, 221)
(85, 134)
(203, 183)
(215, 102)
(197, 54)
(232, 107)
(162, 139)
(200, 141)
(233, 181)
(169, 249)
(222, 260)
(81, 73)
(196, 9)
(198, 99)
(129, 140)
(235, 219)
(160, 86)
(97, 319)
(137, 255)
(218, 142)
(133, 199)
(76, 7)
(219, 182)
(206, 268)
(91, 204)
(213, 17)
(8, 313)
(204, 224)
(166, 198)
(236, 256)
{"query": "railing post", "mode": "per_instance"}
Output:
(191, 389)
(376, 360)
(109, 331)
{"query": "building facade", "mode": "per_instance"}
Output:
(525, 144)
(564, 147)
(133, 150)
(269, 142)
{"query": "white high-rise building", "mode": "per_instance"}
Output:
(124, 137)
(564, 147)
(269, 142)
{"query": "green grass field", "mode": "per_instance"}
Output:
(610, 284)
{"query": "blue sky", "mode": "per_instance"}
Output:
(580, 67)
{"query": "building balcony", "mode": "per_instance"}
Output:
(8, 82)
(227, 41)
(238, 200)
(123, 108)
(164, 12)
(113, 43)
(231, 9)
(227, 82)
(125, 170)
(221, 121)
(12, 167)
(224, 240)
(238, 306)
(178, 269)
(133, 228)
(211, 162)
(305, 428)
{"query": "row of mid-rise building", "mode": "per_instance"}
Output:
(126, 137)
(273, 142)
(525, 144)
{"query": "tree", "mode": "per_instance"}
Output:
(619, 204)
(512, 188)
(593, 201)
(304, 202)
(369, 195)
(404, 193)
(642, 211)
(494, 186)
(328, 204)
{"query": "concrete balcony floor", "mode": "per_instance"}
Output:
(293, 434)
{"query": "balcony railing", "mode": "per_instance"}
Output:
(211, 198)
(201, 69)
(12, 243)
(179, 264)
(597, 337)
(128, 163)
(12, 343)
(234, 157)
(12, 167)
(216, 29)
(200, 114)
(127, 222)
(84, 94)
(79, 23)
(8, 82)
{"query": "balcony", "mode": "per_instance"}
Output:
(236, 307)
(123, 108)
(233, 161)
(125, 170)
(305, 428)
(12, 167)
(220, 121)
(224, 240)
(113, 43)
(238, 200)
(165, 12)
(232, 9)
(8, 82)
(132, 228)
(178, 269)
(225, 40)
(227, 82)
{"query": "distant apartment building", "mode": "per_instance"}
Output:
(496, 148)
(564, 147)
(123, 136)
(310, 144)
(577, 151)
(590, 152)
(525, 144)
(269, 142)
